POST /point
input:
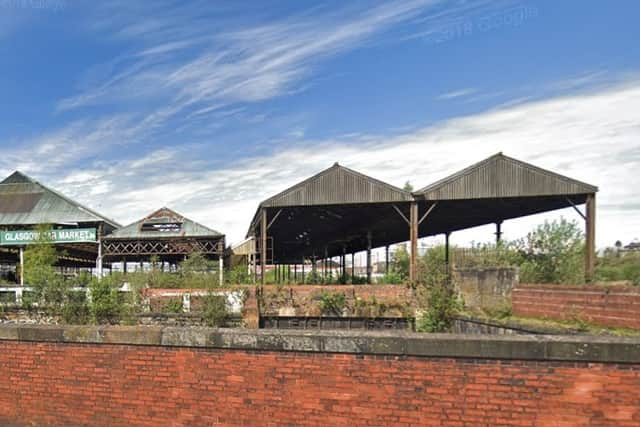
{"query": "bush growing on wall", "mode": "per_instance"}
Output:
(435, 289)
(105, 306)
(76, 309)
(214, 310)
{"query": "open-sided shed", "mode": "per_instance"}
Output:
(497, 189)
(165, 235)
(335, 212)
(341, 211)
(26, 203)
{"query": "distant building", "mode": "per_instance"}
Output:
(632, 247)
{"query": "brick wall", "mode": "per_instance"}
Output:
(302, 300)
(362, 291)
(97, 384)
(617, 306)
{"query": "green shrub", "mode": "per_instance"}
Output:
(76, 309)
(612, 267)
(392, 278)
(332, 303)
(106, 305)
(238, 275)
(173, 306)
(214, 310)
(435, 290)
(553, 253)
(400, 263)
(441, 305)
(49, 287)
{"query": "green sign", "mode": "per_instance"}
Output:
(25, 237)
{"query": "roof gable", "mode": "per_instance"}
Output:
(17, 178)
(163, 223)
(501, 176)
(25, 201)
(338, 185)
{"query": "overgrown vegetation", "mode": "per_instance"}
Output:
(551, 253)
(104, 303)
(332, 303)
(214, 310)
(435, 289)
(615, 266)
(48, 287)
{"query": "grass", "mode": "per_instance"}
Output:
(552, 325)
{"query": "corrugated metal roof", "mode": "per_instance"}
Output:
(500, 176)
(338, 185)
(163, 223)
(25, 201)
(246, 247)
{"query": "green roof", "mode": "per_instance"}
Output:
(25, 201)
(163, 223)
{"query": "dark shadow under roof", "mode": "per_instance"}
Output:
(334, 210)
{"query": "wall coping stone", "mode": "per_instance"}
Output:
(394, 343)
(595, 287)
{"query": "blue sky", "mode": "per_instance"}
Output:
(210, 107)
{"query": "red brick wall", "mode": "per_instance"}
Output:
(363, 291)
(62, 384)
(617, 306)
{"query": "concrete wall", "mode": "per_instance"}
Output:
(486, 288)
(617, 306)
(119, 376)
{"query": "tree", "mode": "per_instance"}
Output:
(407, 186)
(195, 271)
(552, 253)
(39, 273)
(400, 262)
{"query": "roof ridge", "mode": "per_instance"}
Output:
(29, 180)
(138, 223)
(335, 166)
(500, 157)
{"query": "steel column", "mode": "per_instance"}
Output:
(369, 267)
(590, 226)
(413, 237)
(386, 259)
(21, 266)
(263, 244)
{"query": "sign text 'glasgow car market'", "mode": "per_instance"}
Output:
(25, 237)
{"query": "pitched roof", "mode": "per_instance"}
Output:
(25, 201)
(338, 185)
(163, 223)
(501, 176)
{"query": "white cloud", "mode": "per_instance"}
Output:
(593, 137)
(457, 93)
(193, 61)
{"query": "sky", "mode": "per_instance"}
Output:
(210, 107)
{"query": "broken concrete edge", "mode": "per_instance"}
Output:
(383, 343)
